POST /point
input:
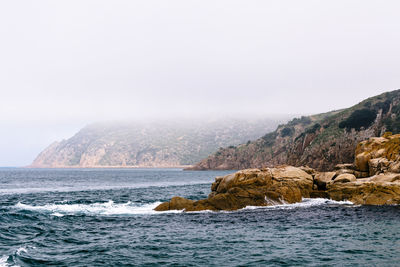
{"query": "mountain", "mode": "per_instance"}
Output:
(150, 144)
(318, 141)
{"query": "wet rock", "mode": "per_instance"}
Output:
(176, 203)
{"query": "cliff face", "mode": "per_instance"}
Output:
(319, 141)
(150, 144)
(373, 179)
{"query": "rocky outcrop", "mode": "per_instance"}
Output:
(382, 189)
(319, 141)
(379, 155)
(288, 184)
(255, 187)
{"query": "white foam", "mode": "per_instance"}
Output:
(3, 261)
(106, 208)
(306, 203)
(20, 250)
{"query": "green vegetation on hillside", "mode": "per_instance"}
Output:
(320, 141)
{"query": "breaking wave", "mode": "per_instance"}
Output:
(111, 208)
(3, 261)
(106, 208)
(306, 203)
(9, 261)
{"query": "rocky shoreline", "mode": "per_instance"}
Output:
(373, 179)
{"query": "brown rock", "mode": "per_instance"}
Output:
(162, 207)
(361, 161)
(344, 171)
(394, 167)
(345, 178)
(255, 187)
(378, 165)
(359, 174)
(319, 194)
(322, 179)
(288, 184)
(348, 166)
(377, 190)
(308, 170)
(176, 203)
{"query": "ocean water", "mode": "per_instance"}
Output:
(105, 217)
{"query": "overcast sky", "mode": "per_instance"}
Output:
(64, 64)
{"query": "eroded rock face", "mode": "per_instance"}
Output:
(383, 189)
(255, 187)
(378, 157)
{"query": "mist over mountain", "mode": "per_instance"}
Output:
(320, 141)
(151, 144)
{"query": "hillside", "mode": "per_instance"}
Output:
(150, 144)
(319, 141)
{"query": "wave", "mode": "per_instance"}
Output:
(5, 260)
(305, 203)
(111, 208)
(105, 208)
(10, 191)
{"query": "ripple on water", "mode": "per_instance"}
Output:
(118, 226)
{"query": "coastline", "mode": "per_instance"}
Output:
(107, 167)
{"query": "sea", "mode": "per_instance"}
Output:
(105, 217)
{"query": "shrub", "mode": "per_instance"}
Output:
(385, 106)
(269, 138)
(359, 118)
(303, 120)
(313, 129)
(287, 131)
(392, 125)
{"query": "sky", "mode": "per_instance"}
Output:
(65, 64)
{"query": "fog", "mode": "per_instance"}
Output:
(64, 64)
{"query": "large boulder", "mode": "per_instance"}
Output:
(251, 187)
